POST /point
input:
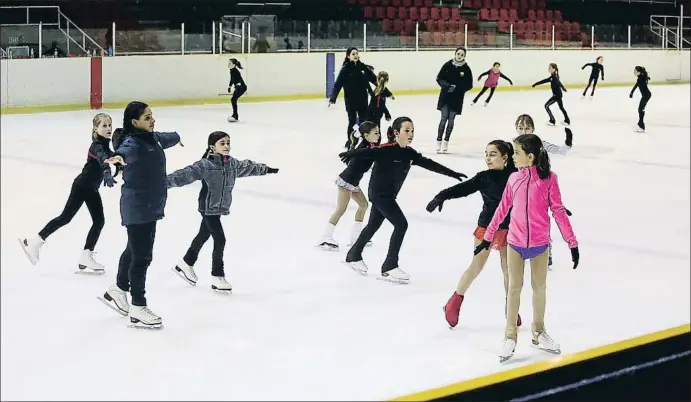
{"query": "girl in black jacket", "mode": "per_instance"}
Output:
(597, 71)
(455, 79)
(84, 191)
(377, 105)
(490, 183)
(557, 95)
(392, 162)
(642, 79)
(236, 87)
(348, 183)
(354, 78)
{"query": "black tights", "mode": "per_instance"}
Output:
(484, 89)
(355, 113)
(556, 99)
(592, 80)
(135, 261)
(239, 91)
(211, 226)
(79, 196)
(383, 208)
(447, 119)
(641, 110)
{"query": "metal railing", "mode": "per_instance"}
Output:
(59, 28)
(673, 30)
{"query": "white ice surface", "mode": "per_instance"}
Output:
(300, 325)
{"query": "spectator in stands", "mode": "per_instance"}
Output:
(354, 79)
(54, 50)
(289, 46)
(455, 78)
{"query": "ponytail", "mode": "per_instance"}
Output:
(390, 135)
(396, 126)
(382, 79)
(556, 68)
(542, 164)
(643, 72)
(117, 138)
(237, 63)
(532, 144)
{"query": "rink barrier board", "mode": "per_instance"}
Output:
(286, 98)
(544, 366)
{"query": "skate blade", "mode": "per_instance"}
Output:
(552, 351)
(451, 327)
(181, 274)
(139, 325)
(351, 266)
(504, 359)
(26, 252)
(395, 281)
(90, 272)
(224, 292)
(115, 308)
(326, 247)
(369, 244)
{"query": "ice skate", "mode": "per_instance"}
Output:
(32, 247)
(142, 317)
(329, 244)
(355, 234)
(544, 342)
(444, 147)
(358, 266)
(507, 349)
(116, 299)
(88, 265)
(220, 285)
(396, 275)
(566, 123)
(638, 130)
(452, 309)
(438, 147)
(551, 123)
(486, 103)
(472, 103)
(186, 272)
(232, 119)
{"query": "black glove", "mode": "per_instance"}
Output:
(230, 89)
(118, 169)
(484, 245)
(108, 178)
(575, 257)
(271, 170)
(569, 137)
(631, 95)
(568, 213)
(345, 158)
(434, 204)
(460, 176)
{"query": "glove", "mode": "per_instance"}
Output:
(345, 158)
(108, 178)
(271, 170)
(575, 257)
(630, 95)
(460, 176)
(568, 213)
(118, 169)
(534, 85)
(484, 245)
(569, 137)
(436, 203)
(452, 88)
(230, 90)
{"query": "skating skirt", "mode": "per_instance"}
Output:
(499, 240)
(345, 185)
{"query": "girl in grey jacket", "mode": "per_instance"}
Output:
(217, 170)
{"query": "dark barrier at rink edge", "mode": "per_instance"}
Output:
(654, 367)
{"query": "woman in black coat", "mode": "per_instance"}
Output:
(354, 79)
(455, 78)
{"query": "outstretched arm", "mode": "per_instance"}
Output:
(432, 166)
(247, 168)
(506, 78)
(167, 140)
(546, 80)
(460, 190)
(187, 175)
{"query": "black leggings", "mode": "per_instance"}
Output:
(135, 260)
(592, 80)
(239, 91)
(556, 99)
(641, 110)
(383, 208)
(484, 89)
(211, 226)
(355, 112)
(448, 117)
(79, 196)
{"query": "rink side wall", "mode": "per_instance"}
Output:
(39, 85)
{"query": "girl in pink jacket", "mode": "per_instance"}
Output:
(528, 196)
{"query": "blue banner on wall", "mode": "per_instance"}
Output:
(330, 72)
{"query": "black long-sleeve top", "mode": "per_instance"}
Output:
(236, 78)
(491, 184)
(642, 84)
(354, 79)
(554, 83)
(391, 166)
(597, 69)
(461, 76)
(357, 167)
(91, 176)
(377, 105)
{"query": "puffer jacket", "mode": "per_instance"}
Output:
(531, 197)
(218, 174)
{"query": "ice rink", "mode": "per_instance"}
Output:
(300, 324)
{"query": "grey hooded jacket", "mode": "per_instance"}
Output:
(218, 174)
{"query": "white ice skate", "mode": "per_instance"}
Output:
(507, 349)
(358, 266)
(328, 244)
(551, 124)
(355, 233)
(142, 317)
(563, 123)
(88, 265)
(220, 285)
(186, 272)
(486, 104)
(438, 147)
(444, 147)
(116, 299)
(396, 275)
(232, 119)
(638, 130)
(32, 247)
(544, 342)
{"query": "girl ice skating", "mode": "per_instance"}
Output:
(493, 75)
(597, 70)
(236, 87)
(377, 106)
(642, 79)
(557, 95)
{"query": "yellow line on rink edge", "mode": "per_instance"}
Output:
(544, 365)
